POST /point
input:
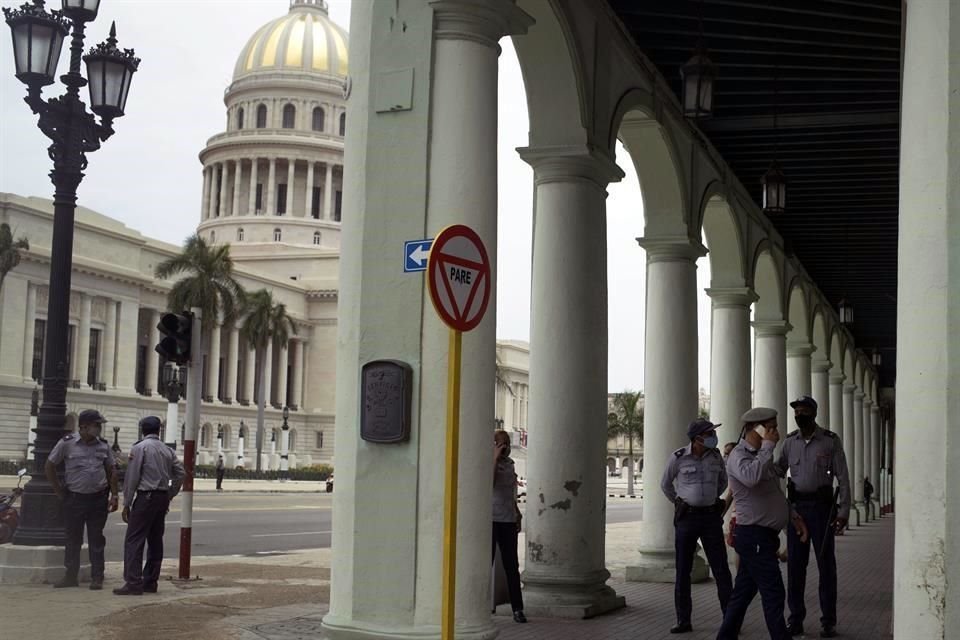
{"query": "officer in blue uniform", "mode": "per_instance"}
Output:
(815, 460)
(694, 479)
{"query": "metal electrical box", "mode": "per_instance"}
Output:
(386, 391)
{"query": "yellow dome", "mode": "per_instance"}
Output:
(303, 40)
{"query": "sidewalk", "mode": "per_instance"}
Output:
(229, 486)
(282, 596)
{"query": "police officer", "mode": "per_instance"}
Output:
(89, 471)
(694, 480)
(762, 511)
(153, 478)
(815, 459)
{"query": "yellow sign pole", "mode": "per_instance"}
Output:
(450, 488)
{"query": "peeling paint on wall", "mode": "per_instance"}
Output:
(573, 486)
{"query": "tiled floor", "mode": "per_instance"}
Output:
(865, 559)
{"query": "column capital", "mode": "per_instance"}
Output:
(875, 408)
(821, 366)
(480, 21)
(571, 162)
(858, 395)
(867, 401)
(837, 378)
(800, 349)
(678, 248)
(731, 296)
(849, 388)
(771, 327)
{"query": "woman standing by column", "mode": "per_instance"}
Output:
(506, 519)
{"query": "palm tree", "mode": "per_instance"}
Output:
(626, 419)
(209, 282)
(266, 321)
(10, 251)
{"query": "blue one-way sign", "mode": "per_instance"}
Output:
(415, 254)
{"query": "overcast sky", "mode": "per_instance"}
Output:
(149, 177)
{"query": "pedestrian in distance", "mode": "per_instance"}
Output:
(762, 511)
(153, 478)
(90, 494)
(507, 519)
(694, 480)
(815, 459)
(867, 494)
(220, 471)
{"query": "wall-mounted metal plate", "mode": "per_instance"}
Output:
(386, 391)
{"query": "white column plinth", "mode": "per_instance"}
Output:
(21, 564)
(730, 359)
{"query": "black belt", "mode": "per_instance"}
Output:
(99, 492)
(163, 491)
(712, 508)
(824, 496)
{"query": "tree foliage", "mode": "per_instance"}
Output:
(208, 282)
(10, 251)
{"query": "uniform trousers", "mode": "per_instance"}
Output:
(84, 510)
(505, 537)
(707, 526)
(759, 571)
(817, 517)
(145, 524)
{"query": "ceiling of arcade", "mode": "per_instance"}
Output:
(827, 73)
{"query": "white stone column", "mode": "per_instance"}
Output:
(565, 565)
(237, 179)
(224, 180)
(270, 207)
(267, 370)
(308, 194)
(205, 196)
(328, 194)
(127, 333)
(110, 344)
(291, 172)
(298, 366)
(820, 377)
(230, 393)
(836, 407)
(28, 333)
(83, 341)
(849, 448)
(770, 370)
(671, 392)
(213, 363)
(730, 359)
(867, 447)
(249, 369)
(399, 567)
(856, 474)
(875, 456)
(153, 358)
(799, 380)
(283, 365)
(252, 195)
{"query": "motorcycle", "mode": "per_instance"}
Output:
(9, 515)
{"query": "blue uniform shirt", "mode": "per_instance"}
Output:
(84, 464)
(698, 481)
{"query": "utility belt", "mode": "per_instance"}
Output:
(681, 509)
(823, 495)
(152, 491)
(96, 494)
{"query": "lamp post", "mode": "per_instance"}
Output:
(38, 37)
(243, 433)
(219, 439)
(34, 410)
(285, 447)
(174, 378)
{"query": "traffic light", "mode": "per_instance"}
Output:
(175, 343)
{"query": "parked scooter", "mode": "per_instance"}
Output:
(9, 515)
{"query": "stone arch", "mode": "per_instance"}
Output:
(723, 235)
(206, 436)
(837, 351)
(798, 313)
(821, 338)
(227, 436)
(611, 466)
(765, 276)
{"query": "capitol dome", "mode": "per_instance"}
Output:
(304, 40)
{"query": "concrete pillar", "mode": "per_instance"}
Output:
(836, 405)
(857, 471)
(213, 190)
(224, 180)
(770, 370)
(875, 455)
(291, 172)
(83, 341)
(249, 368)
(110, 345)
(298, 364)
(671, 391)
(127, 332)
(308, 193)
(328, 194)
(205, 196)
(252, 195)
(799, 380)
(820, 374)
(153, 358)
(867, 446)
(849, 447)
(399, 567)
(29, 329)
(266, 369)
(565, 572)
(213, 364)
(237, 179)
(230, 393)
(283, 366)
(271, 209)
(730, 359)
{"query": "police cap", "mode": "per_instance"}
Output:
(700, 425)
(758, 414)
(805, 401)
(91, 416)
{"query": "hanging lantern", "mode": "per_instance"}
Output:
(110, 70)
(774, 190)
(37, 42)
(697, 77)
(845, 310)
(875, 358)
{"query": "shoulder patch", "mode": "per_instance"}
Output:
(793, 433)
(103, 440)
(679, 452)
(830, 434)
(68, 437)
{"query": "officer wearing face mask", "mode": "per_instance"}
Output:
(815, 459)
(694, 480)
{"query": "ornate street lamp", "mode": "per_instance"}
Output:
(845, 311)
(37, 41)
(774, 190)
(697, 77)
(875, 357)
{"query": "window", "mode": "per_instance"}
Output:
(39, 337)
(316, 238)
(94, 357)
(277, 235)
(259, 203)
(319, 439)
(205, 436)
(289, 116)
(281, 199)
(317, 119)
(240, 118)
(262, 116)
(315, 203)
(338, 206)
(343, 124)
(240, 234)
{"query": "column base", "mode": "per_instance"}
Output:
(21, 564)
(335, 628)
(661, 566)
(575, 597)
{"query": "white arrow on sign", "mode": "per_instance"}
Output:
(419, 255)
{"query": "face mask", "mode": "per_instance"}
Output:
(804, 421)
(711, 442)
